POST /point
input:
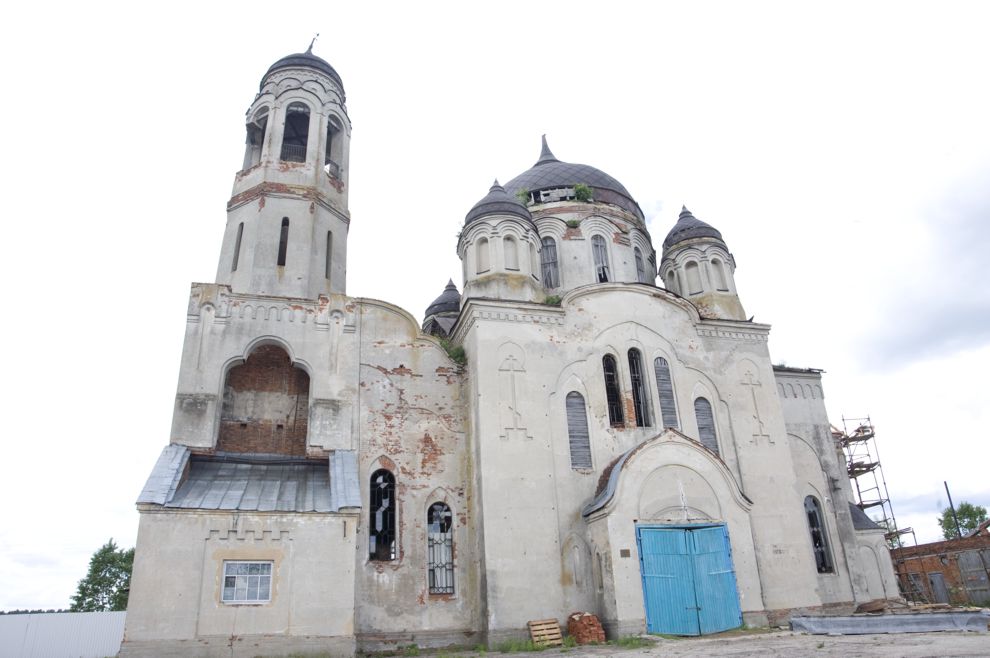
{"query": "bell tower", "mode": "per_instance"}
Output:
(287, 218)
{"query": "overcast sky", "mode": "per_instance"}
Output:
(843, 150)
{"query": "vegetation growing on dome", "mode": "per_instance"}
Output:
(582, 192)
(552, 300)
(523, 196)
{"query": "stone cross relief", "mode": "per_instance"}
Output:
(752, 382)
(512, 426)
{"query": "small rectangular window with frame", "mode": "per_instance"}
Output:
(246, 582)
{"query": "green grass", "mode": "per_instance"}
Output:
(631, 642)
(410, 650)
(515, 646)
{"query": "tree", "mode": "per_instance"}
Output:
(108, 581)
(970, 516)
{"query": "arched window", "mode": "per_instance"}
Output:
(665, 387)
(534, 262)
(255, 139)
(381, 526)
(600, 254)
(718, 272)
(693, 278)
(577, 431)
(819, 538)
(551, 276)
(640, 266)
(440, 549)
(329, 262)
(331, 158)
(672, 282)
(296, 133)
(283, 241)
(483, 256)
(237, 247)
(638, 388)
(511, 253)
(706, 424)
(612, 395)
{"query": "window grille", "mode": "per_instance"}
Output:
(612, 396)
(247, 582)
(283, 242)
(706, 424)
(638, 388)
(551, 276)
(440, 549)
(640, 266)
(665, 387)
(577, 431)
(237, 247)
(819, 539)
(381, 530)
(296, 133)
(598, 249)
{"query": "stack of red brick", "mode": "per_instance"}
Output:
(585, 628)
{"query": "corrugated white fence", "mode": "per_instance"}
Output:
(61, 635)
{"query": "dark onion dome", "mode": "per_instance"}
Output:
(449, 301)
(306, 60)
(550, 173)
(689, 227)
(498, 202)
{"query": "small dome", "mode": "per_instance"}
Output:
(305, 60)
(498, 202)
(689, 227)
(449, 301)
(549, 173)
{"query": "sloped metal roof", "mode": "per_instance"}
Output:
(498, 202)
(687, 227)
(164, 478)
(449, 301)
(304, 60)
(860, 520)
(61, 634)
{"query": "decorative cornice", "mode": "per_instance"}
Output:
(755, 333)
(285, 191)
(476, 310)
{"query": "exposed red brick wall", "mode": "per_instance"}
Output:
(265, 405)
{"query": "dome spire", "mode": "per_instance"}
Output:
(546, 155)
(309, 51)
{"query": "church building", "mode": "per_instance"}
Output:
(590, 425)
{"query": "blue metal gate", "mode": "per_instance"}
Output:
(689, 584)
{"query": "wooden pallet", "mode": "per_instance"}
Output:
(546, 633)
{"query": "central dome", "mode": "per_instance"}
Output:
(550, 173)
(306, 60)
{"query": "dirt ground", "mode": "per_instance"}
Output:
(781, 644)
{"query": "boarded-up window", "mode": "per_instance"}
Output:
(819, 538)
(693, 278)
(484, 259)
(600, 254)
(612, 395)
(638, 388)
(577, 431)
(511, 254)
(551, 276)
(665, 387)
(706, 424)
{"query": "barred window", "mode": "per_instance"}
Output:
(381, 529)
(551, 275)
(819, 538)
(665, 387)
(706, 424)
(612, 395)
(577, 431)
(638, 388)
(440, 549)
(247, 582)
(600, 254)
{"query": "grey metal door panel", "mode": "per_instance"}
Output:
(939, 591)
(974, 576)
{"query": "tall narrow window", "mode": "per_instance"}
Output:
(600, 254)
(255, 138)
(381, 526)
(237, 247)
(612, 395)
(672, 282)
(534, 263)
(638, 388)
(706, 424)
(577, 431)
(693, 278)
(283, 241)
(551, 276)
(665, 387)
(329, 255)
(718, 271)
(440, 549)
(819, 539)
(640, 266)
(331, 162)
(296, 133)
(511, 253)
(484, 262)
